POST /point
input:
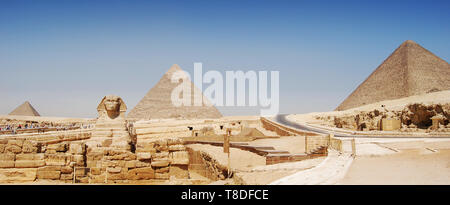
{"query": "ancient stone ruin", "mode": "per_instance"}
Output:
(105, 154)
(414, 117)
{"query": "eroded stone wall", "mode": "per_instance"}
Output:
(70, 160)
(414, 117)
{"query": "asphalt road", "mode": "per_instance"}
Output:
(281, 119)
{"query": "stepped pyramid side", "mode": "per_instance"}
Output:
(409, 70)
(25, 109)
(157, 103)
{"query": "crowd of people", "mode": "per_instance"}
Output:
(40, 126)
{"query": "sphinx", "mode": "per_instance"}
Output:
(111, 126)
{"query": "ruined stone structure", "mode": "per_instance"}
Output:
(100, 155)
(414, 117)
(157, 103)
(409, 70)
(26, 109)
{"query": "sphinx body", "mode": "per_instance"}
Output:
(111, 126)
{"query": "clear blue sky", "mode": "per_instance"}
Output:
(63, 56)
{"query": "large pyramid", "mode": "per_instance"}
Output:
(25, 109)
(157, 103)
(409, 70)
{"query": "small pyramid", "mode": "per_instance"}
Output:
(26, 109)
(409, 70)
(157, 103)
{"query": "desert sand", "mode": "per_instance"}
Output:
(407, 167)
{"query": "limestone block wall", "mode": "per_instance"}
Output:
(23, 159)
(66, 158)
(313, 143)
(205, 165)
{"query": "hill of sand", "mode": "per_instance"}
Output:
(409, 70)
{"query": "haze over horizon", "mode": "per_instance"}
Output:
(64, 56)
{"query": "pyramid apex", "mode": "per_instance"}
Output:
(409, 42)
(175, 67)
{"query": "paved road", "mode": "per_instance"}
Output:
(281, 119)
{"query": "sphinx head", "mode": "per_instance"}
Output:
(112, 103)
(111, 106)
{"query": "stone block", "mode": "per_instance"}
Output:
(50, 151)
(160, 163)
(118, 176)
(75, 148)
(18, 143)
(94, 156)
(143, 156)
(146, 163)
(161, 175)
(93, 163)
(150, 150)
(59, 159)
(61, 147)
(179, 158)
(66, 170)
(7, 157)
(7, 164)
(29, 163)
(108, 163)
(28, 147)
(160, 155)
(130, 164)
(81, 172)
(98, 179)
(180, 147)
(12, 149)
(179, 171)
(18, 175)
(2, 148)
(390, 124)
(174, 141)
(28, 156)
(162, 170)
(141, 173)
(78, 159)
(50, 168)
(96, 171)
(66, 176)
(113, 169)
(83, 180)
(48, 174)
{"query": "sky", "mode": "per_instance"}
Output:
(64, 56)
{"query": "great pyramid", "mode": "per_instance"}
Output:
(157, 103)
(409, 70)
(25, 109)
